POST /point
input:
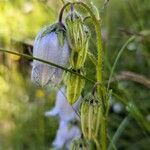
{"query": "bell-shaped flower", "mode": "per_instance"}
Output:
(50, 45)
(63, 109)
(65, 134)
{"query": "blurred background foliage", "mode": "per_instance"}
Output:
(22, 106)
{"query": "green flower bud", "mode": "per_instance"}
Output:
(90, 117)
(74, 26)
(77, 59)
(74, 85)
(78, 38)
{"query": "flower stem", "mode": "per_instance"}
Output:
(99, 69)
(99, 43)
(103, 131)
(63, 1)
(62, 11)
(47, 62)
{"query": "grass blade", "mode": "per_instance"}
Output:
(119, 131)
(117, 58)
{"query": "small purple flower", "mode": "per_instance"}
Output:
(50, 45)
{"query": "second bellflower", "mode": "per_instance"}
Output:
(50, 45)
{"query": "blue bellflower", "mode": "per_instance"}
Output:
(50, 45)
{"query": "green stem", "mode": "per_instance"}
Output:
(99, 66)
(99, 41)
(119, 131)
(99, 69)
(62, 11)
(135, 112)
(104, 133)
(63, 1)
(103, 130)
(117, 58)
(98, 33)
(97, 144)
(47, 62)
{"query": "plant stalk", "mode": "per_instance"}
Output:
(99, 67)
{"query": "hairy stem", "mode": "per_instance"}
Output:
(99, 66)
(99, 69)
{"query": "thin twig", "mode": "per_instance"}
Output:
(129, 33)
(127, 75)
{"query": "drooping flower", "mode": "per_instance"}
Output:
(63, 109)
(68, 123)
(65, 134)
(50, 45)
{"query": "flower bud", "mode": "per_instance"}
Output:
(50, 45)
(74, 85)
(77, 59)
(74, 26)
(90, 117)
(78, 37)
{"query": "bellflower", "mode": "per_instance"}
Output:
(50, 45)
(63, 109)
(67, 129)
(65, 135)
